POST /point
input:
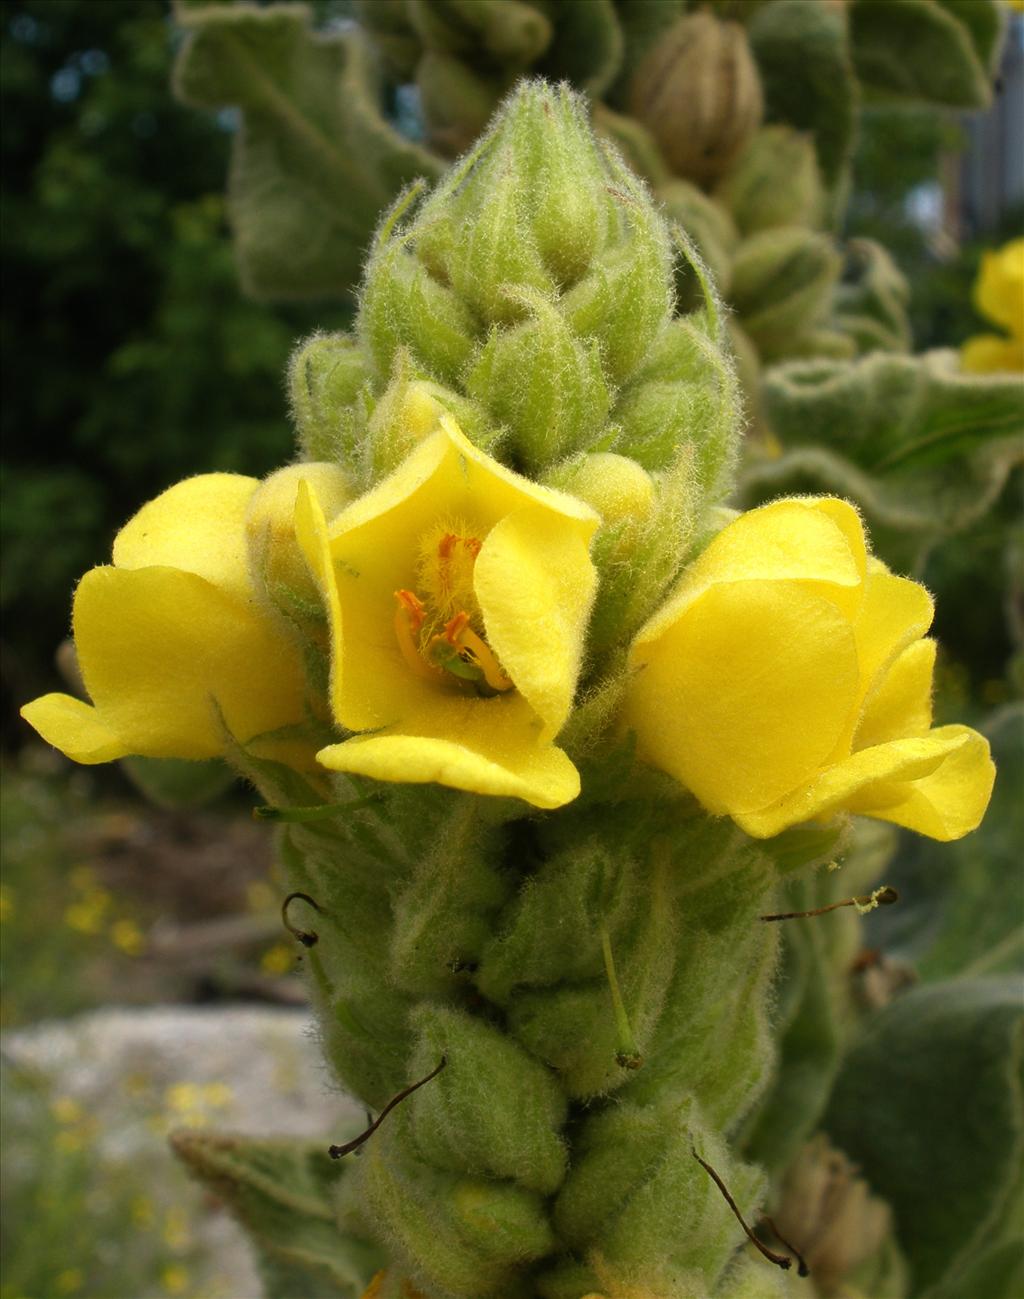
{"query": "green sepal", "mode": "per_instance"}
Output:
(918, 50)
(803, 56)
(329, 396)
(712, 229)
(565, 404)
(930, 1103)
(774, 182)
(443, 914)
(316, 160)
(638, 1198)
(807, 1023)
(493, 1111)
(625, 299)
(403, 305)
(179, 782)
(363, 1026)
(466, 1237)
(283, 1192)
(782, 282)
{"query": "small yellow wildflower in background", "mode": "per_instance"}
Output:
(70, 1280)
(176, 1234)
(6, 902)
(259, 896)
(143, 1212)
(127, 937)
(89, 914)
(278, 959)
(66, 1110)
(999, 296)
(174, 1279)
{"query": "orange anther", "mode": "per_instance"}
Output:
(413, 608)
(454, 628)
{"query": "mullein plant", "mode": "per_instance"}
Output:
(550, 736)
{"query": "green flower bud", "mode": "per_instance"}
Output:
(646, 524)
(782, 285)
(698, 92)
(634, 142)
(684, 400)
(408, 411)
(278, 566)
(774, 182)
(493, 1111)
(327, 378)
(463, 1236)
(483, 30)
(710, 227)
(404, 305)
(544, 383)
(638, 1198)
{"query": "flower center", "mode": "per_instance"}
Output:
(436, 633)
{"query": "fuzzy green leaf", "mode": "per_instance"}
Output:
(930, 1103)
(919, 49)
(283, 1193)
(920, 445)
(803, 56)
(314, 161)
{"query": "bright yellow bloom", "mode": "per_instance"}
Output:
(457, 595)
(999, 296)
(172, 644)
(786, 679)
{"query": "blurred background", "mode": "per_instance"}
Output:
(133, 360)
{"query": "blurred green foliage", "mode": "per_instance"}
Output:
(132, 357)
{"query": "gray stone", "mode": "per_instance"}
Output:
(138, 1074)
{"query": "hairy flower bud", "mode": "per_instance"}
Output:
(325, 378)
(782, 286)
(535, 280)
(275, 558)
(774, 182)
(699, 93)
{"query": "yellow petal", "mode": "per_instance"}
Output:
(992, 354)
(745, 695)
(198, 525)
(487, 746)
(950, 801)
(999, 291)
(808, 540)
(901, 707)
(75, 728)
(895, 613)
(535, 584)
(938, 784)
(165, 654)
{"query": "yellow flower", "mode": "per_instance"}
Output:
(787, 679)
(999, 296)
(171, 642)
(457, 595)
